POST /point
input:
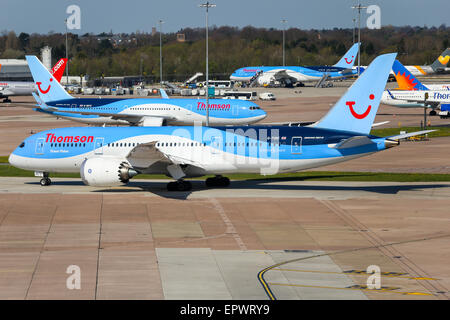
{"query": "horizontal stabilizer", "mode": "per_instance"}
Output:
(41, 104)
(379, 123)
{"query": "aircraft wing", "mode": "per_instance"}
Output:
(282, 74)
(411, 134)
(6, 92)
(146, 154)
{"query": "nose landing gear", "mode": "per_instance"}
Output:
(45, 181)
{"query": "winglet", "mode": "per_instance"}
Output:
(163, 94)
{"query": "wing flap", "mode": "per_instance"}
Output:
(354, 142)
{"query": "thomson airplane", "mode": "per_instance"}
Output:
(107, 156)
(26, 88)
(54, 100)
(412, 93)
(296, 74)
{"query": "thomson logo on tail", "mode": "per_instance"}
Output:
(350, 104)
(40, 89)
(348, 62)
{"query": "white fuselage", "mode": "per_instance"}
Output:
(16, 88)
(205, 159)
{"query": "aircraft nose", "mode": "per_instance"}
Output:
(12, 159)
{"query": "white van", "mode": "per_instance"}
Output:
(267, 96)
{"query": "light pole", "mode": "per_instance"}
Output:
(160, 50)
(354, 26)
(284, 21)
(207, 5)
(359, 7)
(67, 56)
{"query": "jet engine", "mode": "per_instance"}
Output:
(106, 171)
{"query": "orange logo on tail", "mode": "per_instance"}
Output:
(443, 60)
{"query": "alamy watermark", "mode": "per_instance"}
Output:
(74, 18)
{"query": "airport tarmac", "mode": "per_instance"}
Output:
(258, 239)
(254, 240)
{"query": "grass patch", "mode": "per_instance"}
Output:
(385, 132)
(10, 171)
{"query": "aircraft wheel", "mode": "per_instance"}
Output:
(217, 181)
(45, 182)
(210, 182)
(179, 186)
(225, 182)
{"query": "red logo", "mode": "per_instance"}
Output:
(52, 138)
(357, 115)
(40, 89)
(348, 62)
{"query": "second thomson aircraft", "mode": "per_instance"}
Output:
(54, 100)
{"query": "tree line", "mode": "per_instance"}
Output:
(230, 48)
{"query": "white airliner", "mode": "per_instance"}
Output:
(26, 88)
(412, 93)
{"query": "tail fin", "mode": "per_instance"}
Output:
(442, 61)
(405, 80)
(348, 60)
(357, 108)
(58, 69)
(48, 87)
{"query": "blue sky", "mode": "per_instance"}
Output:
(43, 16)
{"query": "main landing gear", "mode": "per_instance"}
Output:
(182, 185)
(45, 181)
(179, 185)
(217, 181)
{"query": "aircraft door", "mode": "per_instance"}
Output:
(296, 145)
(98, 145)
(40, 146)
(216, 144)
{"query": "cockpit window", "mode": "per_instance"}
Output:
(22, 145)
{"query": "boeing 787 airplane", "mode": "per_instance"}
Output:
(54, 100)
(290, 75)
(107, 156)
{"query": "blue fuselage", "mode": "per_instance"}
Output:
(202, 150)
(170, 111)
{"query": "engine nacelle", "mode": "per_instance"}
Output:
(103, 171)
